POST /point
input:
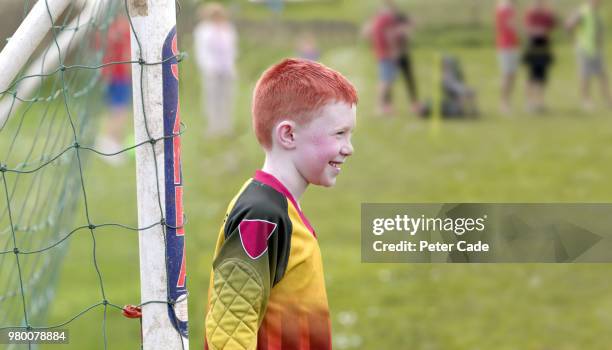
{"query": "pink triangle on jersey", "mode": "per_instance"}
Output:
(254, 235)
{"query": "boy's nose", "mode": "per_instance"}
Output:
(347, 149)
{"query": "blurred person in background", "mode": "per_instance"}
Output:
(587, 27)
(380, 30)
(507, 42)
(276, 6)
(538, 56)
(118, 79)
(215, 44)
(307, 47)
(458, 99)
(401, 46)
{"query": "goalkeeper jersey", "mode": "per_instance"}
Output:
(267, 290)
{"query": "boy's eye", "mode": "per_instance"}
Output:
(342, 132)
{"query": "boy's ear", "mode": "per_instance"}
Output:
(285, 134)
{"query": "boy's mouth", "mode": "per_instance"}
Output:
(335, 164)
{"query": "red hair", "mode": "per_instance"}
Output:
(295, 89)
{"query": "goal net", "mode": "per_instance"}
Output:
(54, 87)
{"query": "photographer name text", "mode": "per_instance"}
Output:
(413, 225)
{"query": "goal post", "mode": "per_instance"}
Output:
(158, 172)
(47, 61)
(27, 37)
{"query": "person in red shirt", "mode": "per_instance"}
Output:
(380, 30)
(539, 23)
(118, 78)
(507, 42)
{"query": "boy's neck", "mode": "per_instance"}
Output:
(284, 171)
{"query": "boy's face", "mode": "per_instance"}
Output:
(324, 144)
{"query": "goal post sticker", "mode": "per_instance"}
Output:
(175, 233)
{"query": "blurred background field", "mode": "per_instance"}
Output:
(561, 156)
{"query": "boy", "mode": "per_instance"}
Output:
(118, 89)
(507, 42)
(381, 31)
(587, 25)
(215, 44)
(267, 289)
(402, 37)
(540, 22)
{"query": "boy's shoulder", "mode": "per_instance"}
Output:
(260, 198)
(257, 201)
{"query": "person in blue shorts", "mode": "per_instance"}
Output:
(118, 94)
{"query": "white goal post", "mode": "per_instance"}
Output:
(49, 59)
(27, 37)
(156, 116)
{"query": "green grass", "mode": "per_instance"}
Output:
(558, 157)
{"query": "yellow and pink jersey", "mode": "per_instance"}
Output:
(267, 290)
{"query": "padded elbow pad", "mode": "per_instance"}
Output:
(236, 306)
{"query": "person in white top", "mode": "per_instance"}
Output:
(215, 44)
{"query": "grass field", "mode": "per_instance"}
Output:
(561, 156)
